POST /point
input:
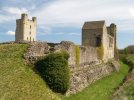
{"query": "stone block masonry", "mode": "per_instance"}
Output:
(85, 75)
(85, 67)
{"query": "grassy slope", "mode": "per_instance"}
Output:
(102, 89)
(17, 80)
(129, 87)
(127, 90)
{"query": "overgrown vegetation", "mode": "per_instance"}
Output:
(128, 59)
(17, 80)
(100, 52)
(77, 55)
(55, 71)
(127, 90)
(127, 50)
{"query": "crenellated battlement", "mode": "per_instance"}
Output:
(24, 16)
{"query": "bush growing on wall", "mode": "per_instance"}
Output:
(77, 55)
(100, 52)
(54, 69)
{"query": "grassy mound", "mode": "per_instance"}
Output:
(17, 80)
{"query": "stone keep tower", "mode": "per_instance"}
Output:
(96, 34)
(25, 29)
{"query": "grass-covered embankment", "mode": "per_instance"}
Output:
(102, 89)
(17, 80)
(127, 90)
(129, 86)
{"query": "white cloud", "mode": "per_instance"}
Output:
(131, 10)
(11, 13)
(44, 30)
(4, 18)
(10, 33)
(15, 10)
(64, 33)
(75, 12)
(78, 34)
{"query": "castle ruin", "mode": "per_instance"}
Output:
(91, 61)
(96, 34)
(25, 29)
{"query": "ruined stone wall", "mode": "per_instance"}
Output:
(108, 44)
(87, 74)
(35, 51)
(79, 55)
(84, 65)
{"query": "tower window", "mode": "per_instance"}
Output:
(27, 38)
(30, 26)
(98, 41)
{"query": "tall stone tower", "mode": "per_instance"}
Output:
(25, 29)
(113, 30)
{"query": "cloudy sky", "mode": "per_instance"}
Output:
(63, 19)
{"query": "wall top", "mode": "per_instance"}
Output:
(94, 24)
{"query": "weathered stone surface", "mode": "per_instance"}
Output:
(88, 70)
(25, 29)
(81, 77)
(35, 51)
(96, 34)
(86, 54)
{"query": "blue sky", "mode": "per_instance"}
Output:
(63, 19)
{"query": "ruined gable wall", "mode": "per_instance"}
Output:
(107, 44)
(89, 36)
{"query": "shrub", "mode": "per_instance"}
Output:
(55, 71)
(100, 52)
(128, 59)
(77, 55)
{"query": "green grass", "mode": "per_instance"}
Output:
(102, 89)
(129, 87)
(129, 90)
(17, 80)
